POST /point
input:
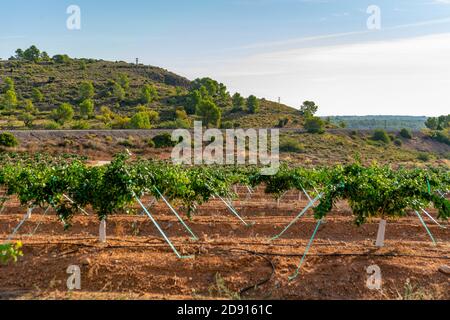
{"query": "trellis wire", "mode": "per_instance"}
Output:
(434, 220)
(194, 237)
(73, 202)
(25, 218)
(426, 227)
(301, 214)
(231, 208)
(40, 221)
(308, 247)
(161, 231)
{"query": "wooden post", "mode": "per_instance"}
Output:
(102, 231)
(29, 212)
(381, 234)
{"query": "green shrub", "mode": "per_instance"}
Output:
(381, 135)
(314, 125)
(8, 140)
(52, 125)
(129, 143)
(423, 156)
(81, 125)
(150, 143)
(140, 120)
(406, 134)
(64, 113)
(291, 145)
(163, 141)
(441, 136)
(227, 125)
(398, 142)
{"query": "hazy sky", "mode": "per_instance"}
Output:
(298, 50)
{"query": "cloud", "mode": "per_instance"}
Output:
(407, 76)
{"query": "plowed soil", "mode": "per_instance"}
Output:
(231, 261)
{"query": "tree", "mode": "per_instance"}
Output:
(140, 120)
(87, 90)
(443, 122)
(64, 113)
(32, 54)
(431, 123)
(252, 104)
(9, 85)
(182, 119)
(9, 100)
(19, 54)
(118, 91)
(44, 56)
(213, 89)
(209, 113)
(148, 94)
(124, 81)
(37, 95)
(314, 125)
(106, 115)
(192, 101)
(308, 109)
(29, 107)
(61, 58)
(87, 109)
(238, 102)
(27, 119)
(439, 123)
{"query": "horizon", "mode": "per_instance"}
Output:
(296, 50)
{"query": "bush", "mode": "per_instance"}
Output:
(440, 136)
(291, 145)
(406, 134)
(52, 125)
(64, 113)
(381, 135)
(425, 157)
(314, 125)
(8, 140)
(398, 142)
(227, 125)
(87, 109)
(140, 120)
(150, 143)
(81, 125)
(163, 141)
(129, 143)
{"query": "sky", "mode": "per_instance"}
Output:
(295, 50)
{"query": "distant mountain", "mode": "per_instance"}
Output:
(381, 122)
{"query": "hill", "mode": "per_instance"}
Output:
(118, 86)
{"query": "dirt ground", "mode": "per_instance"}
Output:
(231, 261)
